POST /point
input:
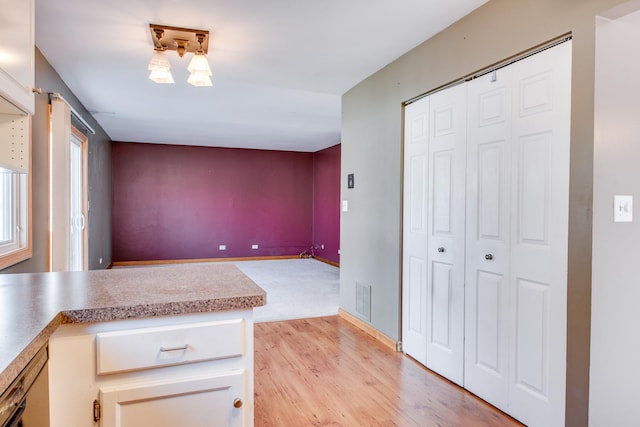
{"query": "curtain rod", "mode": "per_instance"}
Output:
(75, 114)
(491, 68)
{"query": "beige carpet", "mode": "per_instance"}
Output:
(296, 288)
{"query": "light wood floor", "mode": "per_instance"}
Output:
(326, 372)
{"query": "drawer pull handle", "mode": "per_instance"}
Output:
(237, 403)
(182, 347)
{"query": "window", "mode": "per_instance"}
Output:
(15, 188)
(78, 200)
(67, 193)
(13, 217)
(7, 214)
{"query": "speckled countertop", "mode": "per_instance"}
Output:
(32, 306)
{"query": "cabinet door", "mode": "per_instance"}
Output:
(190, 402)
(17, 60)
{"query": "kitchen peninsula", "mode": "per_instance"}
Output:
(151, 302)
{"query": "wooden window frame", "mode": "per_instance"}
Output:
(25, 250)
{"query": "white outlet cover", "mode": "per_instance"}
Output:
(254, 246)
(222, 247)
(622, 208)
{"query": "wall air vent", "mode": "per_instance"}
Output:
(363, 301)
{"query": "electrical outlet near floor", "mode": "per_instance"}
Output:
(222, 247)
(254, 246)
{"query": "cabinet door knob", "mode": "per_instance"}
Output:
(441, 249)
(237, 403)
(488, 257)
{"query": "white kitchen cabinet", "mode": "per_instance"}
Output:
(17, 48)
(190, 370)
(17, 73)
(195, 402)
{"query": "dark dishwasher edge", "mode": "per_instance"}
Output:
(14, 396)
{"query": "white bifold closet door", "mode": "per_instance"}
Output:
(445, 237)
(414, 234)
(517, 234)
(486, 192)
(435, 162)
(488, 236)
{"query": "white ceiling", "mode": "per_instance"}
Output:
(279, 66)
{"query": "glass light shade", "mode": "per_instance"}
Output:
(199, 78)
(199, 64)
(161, 76)
(160, 68)
(159, 61)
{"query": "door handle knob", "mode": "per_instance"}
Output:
(237, 403)
(440, 249)
(488, 257)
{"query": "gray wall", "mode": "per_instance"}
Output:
(372, 149)
(99, 177)
(615, 316)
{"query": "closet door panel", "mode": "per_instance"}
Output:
(442, 192)
(541, 136)
(488, 324)
(487, 241)
(490, 206)
(416, 302)
(417, 180)
(446, 232)
(441, 302)
(532, 358)
(534, 189)
(415, 230)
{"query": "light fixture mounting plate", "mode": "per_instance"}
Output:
(170, 35)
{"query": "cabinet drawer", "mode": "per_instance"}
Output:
(144, 348)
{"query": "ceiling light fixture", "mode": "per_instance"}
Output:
(181, 40)
(199, 67)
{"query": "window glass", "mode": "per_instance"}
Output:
(13, 215)
(6, 195)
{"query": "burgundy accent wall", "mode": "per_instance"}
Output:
(179, 202)
(326, 203)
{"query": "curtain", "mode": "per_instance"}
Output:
(59, 184)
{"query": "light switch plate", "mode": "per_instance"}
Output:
(345, 206)
(622, 208)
